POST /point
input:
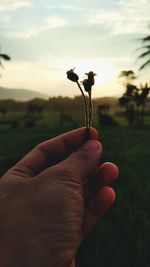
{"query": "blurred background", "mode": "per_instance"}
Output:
(40, 41)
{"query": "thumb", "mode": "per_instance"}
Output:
(82, 163)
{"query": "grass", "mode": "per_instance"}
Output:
(122, 237)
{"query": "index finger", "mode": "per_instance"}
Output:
(51, 152)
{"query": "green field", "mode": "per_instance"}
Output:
(122, 238)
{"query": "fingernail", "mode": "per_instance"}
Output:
(92, 146)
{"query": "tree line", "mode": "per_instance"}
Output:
(134, 99)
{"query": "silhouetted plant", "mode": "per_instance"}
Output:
(134, 98)
(145, 54)
(128, 76)
(3, 57)
(128, 98)
(141, 99)
(87, 85)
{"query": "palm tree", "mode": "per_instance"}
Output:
(127, 77)
(5, 57)
(127, 100)
(146, 54)
(141, 100)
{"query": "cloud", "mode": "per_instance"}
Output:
(128, 17)
(63, 7)
(52, 22)
(11, 5)
(4, 18)
(24, 34)
(56, 22)
(133, 3)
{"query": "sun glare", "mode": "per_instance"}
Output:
(52, 78)
(101, 67)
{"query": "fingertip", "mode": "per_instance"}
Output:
(94, 134)
(80, 134)
(91, 146)
(102, 201)
(112, 169)
(107, 195)
(106, 174)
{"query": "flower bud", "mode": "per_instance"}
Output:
(87, 85)
(89, 82)
(72, 76)
(91, 75)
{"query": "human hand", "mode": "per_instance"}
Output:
(46, 205)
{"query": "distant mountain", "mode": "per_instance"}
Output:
(20, 94)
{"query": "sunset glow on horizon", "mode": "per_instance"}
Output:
(46, 38)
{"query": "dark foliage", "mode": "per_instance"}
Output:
(134, 99)
(145, 54)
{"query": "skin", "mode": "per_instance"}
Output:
(51, 199)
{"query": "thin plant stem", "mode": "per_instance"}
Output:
(85, 106)
(90, 108)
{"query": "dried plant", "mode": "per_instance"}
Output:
(87, 87)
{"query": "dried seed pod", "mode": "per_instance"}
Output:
(89, 82)
(87, 85)
(91, 75)
(71, 75)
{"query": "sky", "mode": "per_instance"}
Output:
(45, 38)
